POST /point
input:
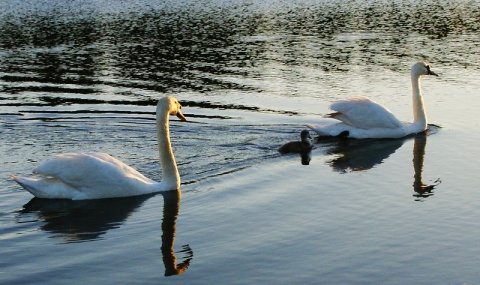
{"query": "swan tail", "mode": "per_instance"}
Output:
(43, 187)
(332, 115)
(28, 184)
(317, 129)
(338, 130)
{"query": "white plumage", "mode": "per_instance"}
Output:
(362, 118)
(95, 175)
(363, 113)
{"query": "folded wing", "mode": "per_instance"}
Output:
(361, 112)
(89, 170)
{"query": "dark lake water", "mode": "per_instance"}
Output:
(86, 75)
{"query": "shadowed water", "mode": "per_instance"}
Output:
(86, 76)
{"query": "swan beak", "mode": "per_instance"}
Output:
(430, 72)
(181, 116)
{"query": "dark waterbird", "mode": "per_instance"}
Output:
(303, 145)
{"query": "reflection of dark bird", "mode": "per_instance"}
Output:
(171, 208)
(305, 157)
(303, 145)
(85, 220)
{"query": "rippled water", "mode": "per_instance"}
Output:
(86, 75)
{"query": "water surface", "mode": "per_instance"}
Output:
(86, 75)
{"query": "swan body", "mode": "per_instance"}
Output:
(297, 146)
(362, 118)
(96, 175)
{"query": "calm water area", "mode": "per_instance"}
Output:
(85, 75)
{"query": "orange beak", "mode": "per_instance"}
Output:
(181, 116)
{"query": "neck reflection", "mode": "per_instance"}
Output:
(421, 189)
(171, 209)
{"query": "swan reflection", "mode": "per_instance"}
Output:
(361, 155)
(86, 220)
(358, 155)
(83, 220)
(171, 208)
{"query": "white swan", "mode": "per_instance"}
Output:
(95, 175)
(362, 118)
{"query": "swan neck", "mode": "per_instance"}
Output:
(170, 174)
(419, 115)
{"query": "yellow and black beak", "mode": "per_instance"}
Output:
(430, 72)
(180, 115)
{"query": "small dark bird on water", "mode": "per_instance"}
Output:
(298, 146)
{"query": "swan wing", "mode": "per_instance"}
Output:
(125, 168)
(361, 112)
(88, 171)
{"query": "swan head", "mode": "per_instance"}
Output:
(173, 106)
(422, 68)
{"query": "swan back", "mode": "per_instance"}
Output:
(89, 175)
